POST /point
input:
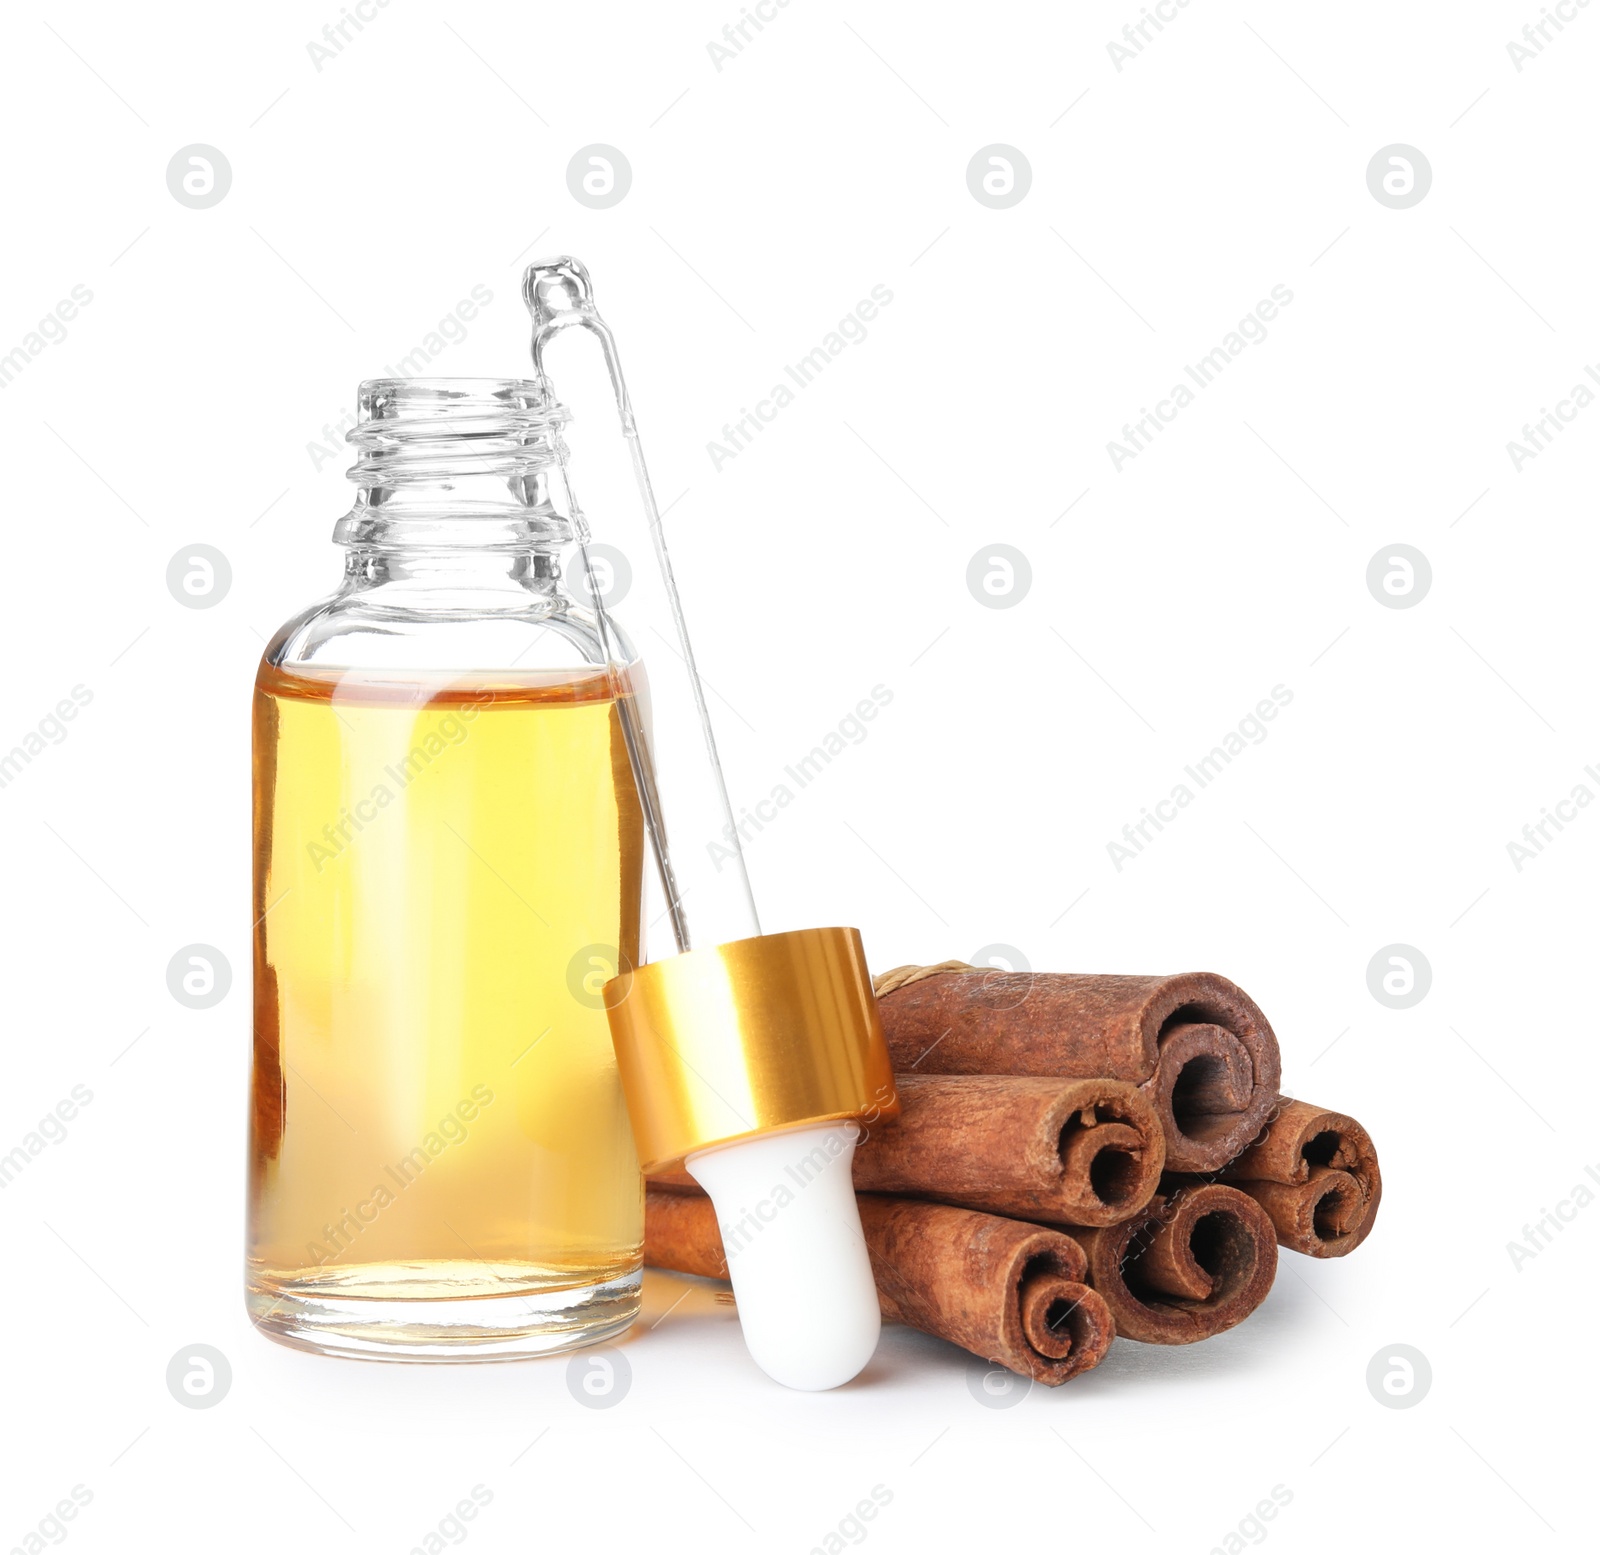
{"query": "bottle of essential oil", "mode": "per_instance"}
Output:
(448, 854)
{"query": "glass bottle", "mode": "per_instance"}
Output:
(448, 854)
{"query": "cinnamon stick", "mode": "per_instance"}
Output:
(1316, 1175)
(1077, 1152)
(1195, 1263)
(680, 1232)
(1072, 1152)
(1195, 1044)
(1011, 1293)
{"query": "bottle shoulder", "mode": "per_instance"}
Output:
(360, 629)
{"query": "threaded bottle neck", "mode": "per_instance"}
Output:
(452, 463)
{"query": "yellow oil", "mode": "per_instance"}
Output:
(444, 874)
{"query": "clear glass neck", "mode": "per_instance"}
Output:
(454, 465)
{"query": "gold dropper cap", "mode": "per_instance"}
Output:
(771, 1032)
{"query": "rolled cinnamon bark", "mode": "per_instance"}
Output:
(1192, 1265)
(1008, 1292)
(1078, 1152)
(1072, 1152)
(1197, 1045)
(1316, 1175)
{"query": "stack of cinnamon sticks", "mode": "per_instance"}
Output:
(1077, 1157)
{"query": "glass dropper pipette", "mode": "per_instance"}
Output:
(747, 1059)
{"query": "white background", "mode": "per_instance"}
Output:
(829, 156)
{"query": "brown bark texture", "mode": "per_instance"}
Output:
(1196, 1044)
(1009, 1292)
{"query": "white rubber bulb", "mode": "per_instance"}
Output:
(786, 1206)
